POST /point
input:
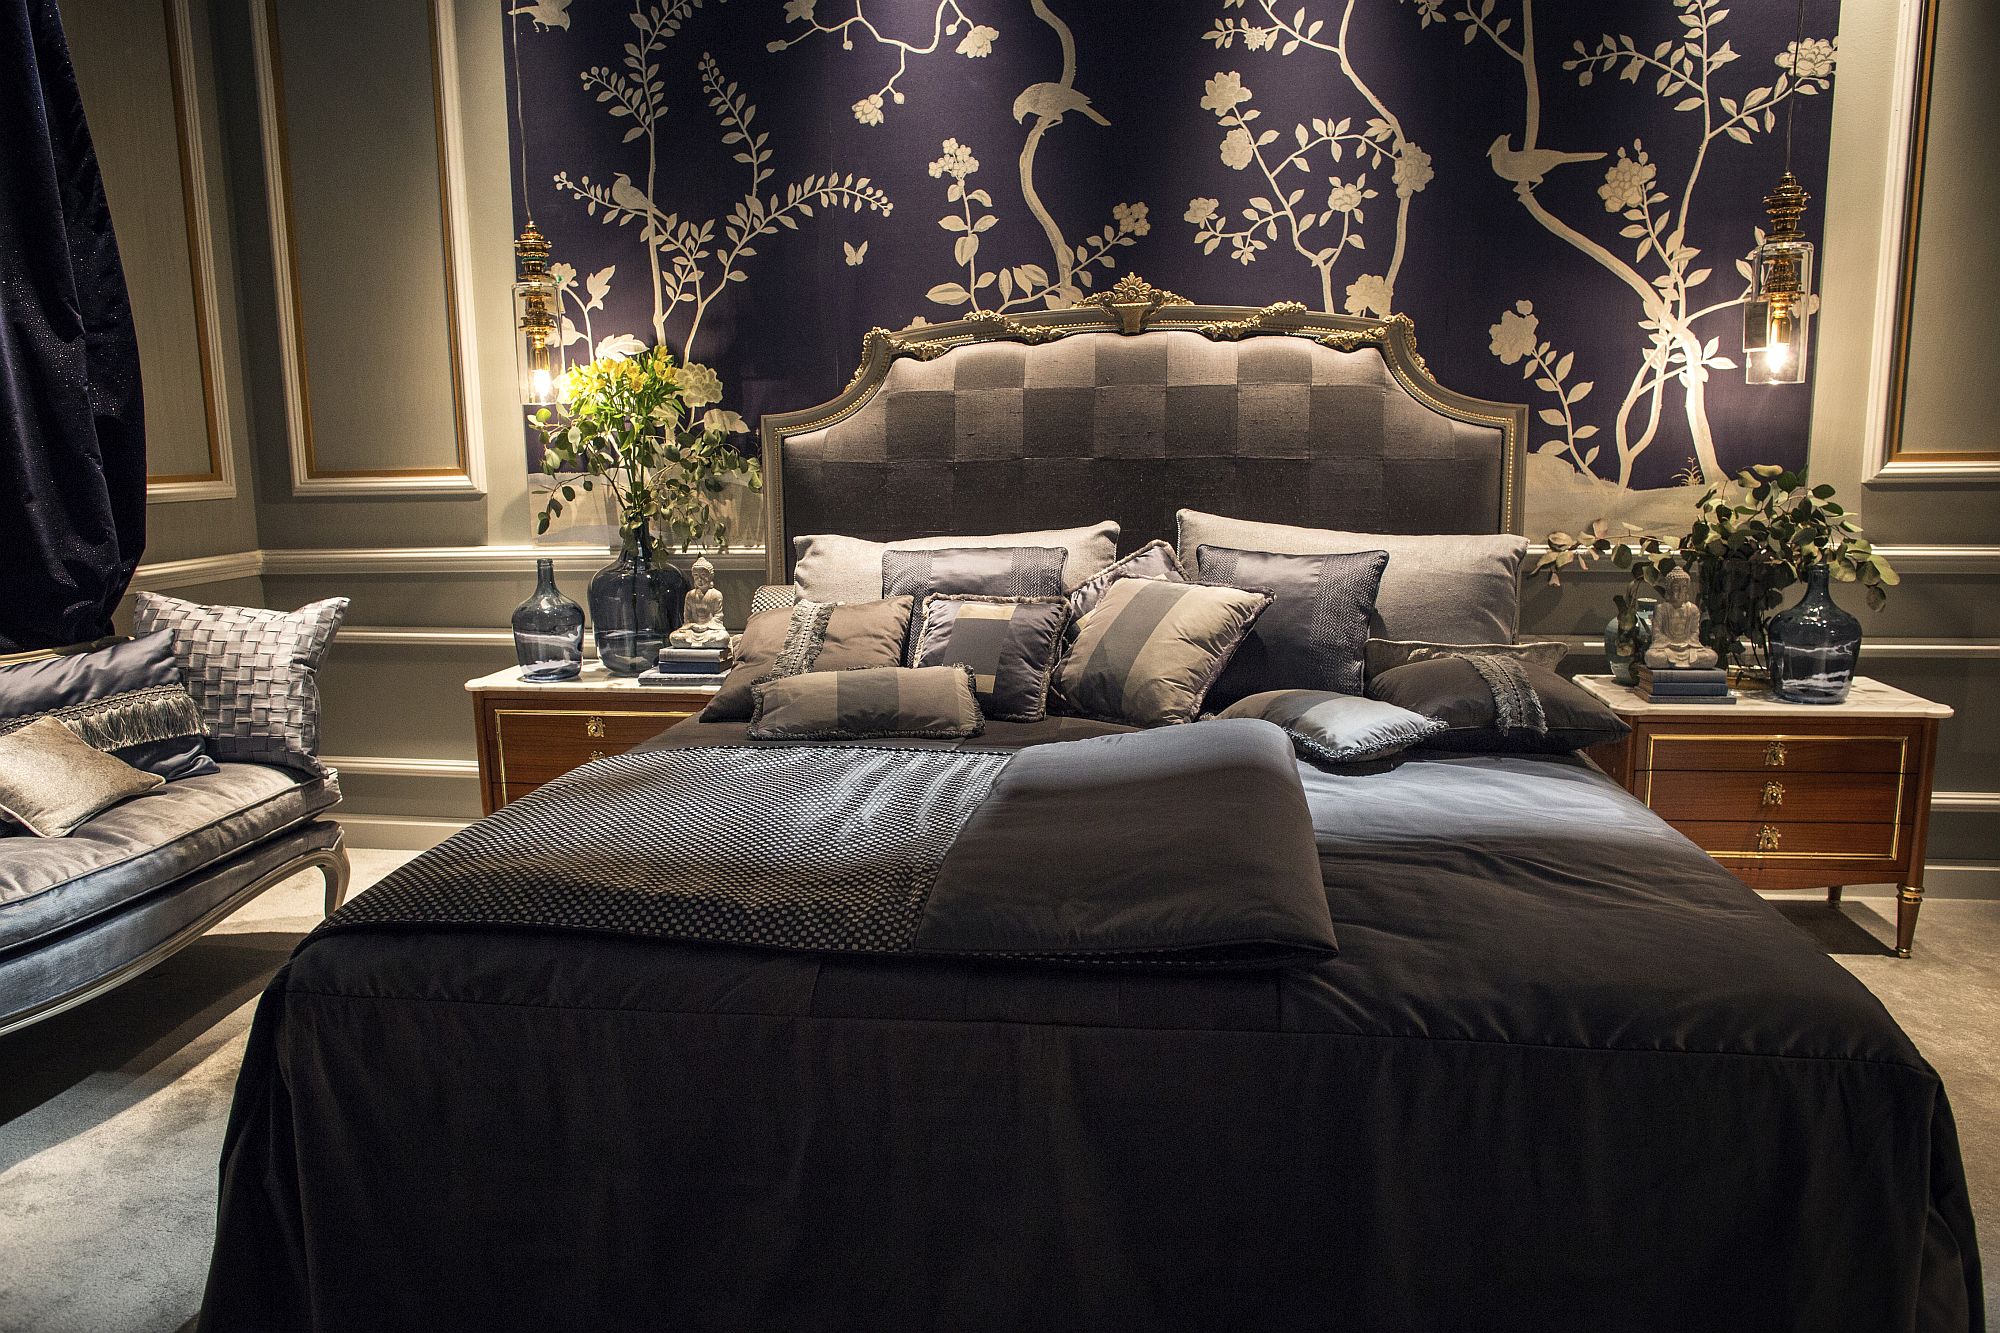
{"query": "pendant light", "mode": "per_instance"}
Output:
(1777, 316)
(535, 296)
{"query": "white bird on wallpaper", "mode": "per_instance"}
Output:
(630, 197)
(1052, 101)
(545, 13)
(1527, 167)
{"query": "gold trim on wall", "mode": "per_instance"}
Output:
(467, 474)
(1893, 461)
(218, 481)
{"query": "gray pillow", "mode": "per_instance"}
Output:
(832, 568)
(126, 698)
(1010, 644)
(985, 571)
(1154, 560)
(1148, 652)
(1335, 728)
(1315, 635)
(1444, 589)
(1388, 654)
(809, 636)
(868, 703)
(52, 780)
(253, 673)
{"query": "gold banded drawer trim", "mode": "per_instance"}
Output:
(1790, 797)
(1777, 752)
(1777, 840)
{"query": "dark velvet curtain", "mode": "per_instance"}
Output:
(72, 432)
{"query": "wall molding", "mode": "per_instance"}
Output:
(469, 477)
(1972, 802)
(497, 559)
(395, 766)
(1588, 645)
(161, 575)
(1946, 559)
(219, 481)
(377, 636)
(396, 833)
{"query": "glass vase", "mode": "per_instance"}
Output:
(1813, 646)
(1624, 666)
(635, 602)
(548, 630)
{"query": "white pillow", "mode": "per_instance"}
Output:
(832, 568)
(1440, 589)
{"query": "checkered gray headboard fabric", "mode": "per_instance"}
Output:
(1002, 436)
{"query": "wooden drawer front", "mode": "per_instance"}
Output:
(1788, 797)
(538, 744)
(1869, 752)
(1731, 841)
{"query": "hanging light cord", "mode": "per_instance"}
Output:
(1791, 102)
(521, 126)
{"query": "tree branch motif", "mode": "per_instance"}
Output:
(871, 109)
(1663, 273)
(1380, 145)
(688, 265)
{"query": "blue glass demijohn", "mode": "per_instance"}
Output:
(1813, 646)
(635, 602)
(548, 630)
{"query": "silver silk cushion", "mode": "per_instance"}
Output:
(1154, 560)
(1444, 589)
(1010, 644)
(1331, 728)
(126, 698)
(254, 673)
(1315, 635)
(833, 568)
(1148, 652)
(52, 780)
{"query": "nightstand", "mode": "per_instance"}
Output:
(1789, 796)
(530, 733)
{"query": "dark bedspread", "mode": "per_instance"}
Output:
(1565, 1073)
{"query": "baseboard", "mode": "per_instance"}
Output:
(396, 833)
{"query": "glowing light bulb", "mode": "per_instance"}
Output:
(542, 384)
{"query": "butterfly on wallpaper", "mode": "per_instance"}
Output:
(855, 253)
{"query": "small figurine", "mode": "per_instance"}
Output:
(701, 613)
(1677, 641)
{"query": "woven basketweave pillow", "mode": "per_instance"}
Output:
(254, 673)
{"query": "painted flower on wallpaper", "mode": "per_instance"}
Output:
(1014, 285)
(1278, 213)
(947, 19)
(1200, 210)
(1652, 257)
(1040, 106)
(692, 262)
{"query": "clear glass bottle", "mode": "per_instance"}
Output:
(635, 602)
(1814, 646)
(548, 630)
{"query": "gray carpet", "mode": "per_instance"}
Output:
(111, 1115)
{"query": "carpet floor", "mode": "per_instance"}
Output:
(111, 1115)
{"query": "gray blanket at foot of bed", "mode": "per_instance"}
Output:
(1189, 846)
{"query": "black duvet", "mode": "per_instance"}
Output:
(1565, 1073)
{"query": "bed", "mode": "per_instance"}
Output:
(1563, 1072)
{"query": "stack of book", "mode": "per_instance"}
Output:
(685, 668)
(1685, 685)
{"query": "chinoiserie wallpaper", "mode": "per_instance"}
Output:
(1561, 193)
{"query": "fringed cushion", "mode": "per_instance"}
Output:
(1496, 704)
(913, 702)
(809, 636)
(127, 700)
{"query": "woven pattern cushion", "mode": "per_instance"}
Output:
(1002, 436)
(1010, 644)
(253, 673)
(833, 568)
(51, 780)
(125, 699)
(1444, 588)
(1315, 636)
(916, 702)
(1149, 650)
(809, 636)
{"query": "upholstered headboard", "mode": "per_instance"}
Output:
(1135, 404)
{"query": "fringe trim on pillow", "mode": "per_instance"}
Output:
(1516, 706)
(805, 635)
(142, 717)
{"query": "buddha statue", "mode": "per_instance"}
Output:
(1677, 641)
(701, 612)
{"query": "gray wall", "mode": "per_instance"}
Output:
(433, 576)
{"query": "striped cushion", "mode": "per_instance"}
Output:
(1315, 636)
(1154, 560)
(863, 704)
(1149, 650)
(809, 636)
(1010, 643)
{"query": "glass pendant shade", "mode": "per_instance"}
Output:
(1777, 316)
(535, 320)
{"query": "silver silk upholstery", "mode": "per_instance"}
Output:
(1001, 435)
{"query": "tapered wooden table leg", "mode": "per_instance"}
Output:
(1833, 894)
(1909, 900)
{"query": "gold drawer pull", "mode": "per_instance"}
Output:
(1767, 838)
(1774, 755)
(1774, 793)
(597, 754)
(594, 728)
